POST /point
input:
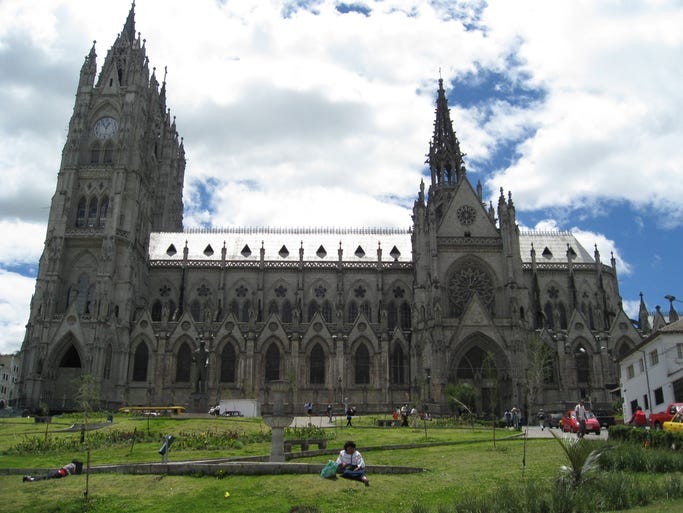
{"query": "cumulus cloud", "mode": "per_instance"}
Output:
(292, 107)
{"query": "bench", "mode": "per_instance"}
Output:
(388, 423)
(320, 442)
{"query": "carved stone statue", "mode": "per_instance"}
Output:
(201, 363)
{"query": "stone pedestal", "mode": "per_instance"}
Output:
(199, 402)
(277, 424)
(279, 420)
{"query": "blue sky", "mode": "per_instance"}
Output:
(293, 107)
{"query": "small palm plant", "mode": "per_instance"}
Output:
(583, 458)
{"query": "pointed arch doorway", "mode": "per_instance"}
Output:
(479, 362)
(67, 369)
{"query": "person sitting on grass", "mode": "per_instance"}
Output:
(74, 467)
(351, 464)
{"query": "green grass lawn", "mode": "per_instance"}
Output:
(454, 471)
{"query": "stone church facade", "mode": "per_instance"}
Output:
(369, 317)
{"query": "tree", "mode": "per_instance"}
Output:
(87, 397)
(461, 396)
(539, 367)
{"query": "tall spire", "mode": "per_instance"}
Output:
(129, 26)
(643, 316)
(445, 158)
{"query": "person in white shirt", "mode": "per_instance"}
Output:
(580, 412)
(351, 463)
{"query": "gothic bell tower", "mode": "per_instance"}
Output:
(467, 271)
(121, 177)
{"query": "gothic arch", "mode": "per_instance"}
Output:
(140, 361)
(286, 311)
(273, 362)
(103, 211)
(183, 362)
(313, 308)
(156, 310)
(317, 364)
(464, 277)
(80, 212)
(398, 363)
(326, 311)
(228, 362)
(93, 208)
(352, 311)
(622, 347)
(362, 365)
(482, 363)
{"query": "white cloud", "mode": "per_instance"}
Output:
(22, 242)
(333, 113)
(15, 295)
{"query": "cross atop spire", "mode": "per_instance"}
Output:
(444, 158)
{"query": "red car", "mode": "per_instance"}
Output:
(571, 424)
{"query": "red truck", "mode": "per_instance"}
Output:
(657, 420)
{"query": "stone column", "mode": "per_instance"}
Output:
(279, 420)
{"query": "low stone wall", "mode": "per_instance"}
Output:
(215, 468)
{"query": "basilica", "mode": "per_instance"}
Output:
(166, 315)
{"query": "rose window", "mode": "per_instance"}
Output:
(464, 283)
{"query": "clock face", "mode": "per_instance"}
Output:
(106, 128)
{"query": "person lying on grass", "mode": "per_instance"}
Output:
(70, 468)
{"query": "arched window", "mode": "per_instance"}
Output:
(392, 315)
(273, 308)
(582, 365)
(171, 310)
(228, 364)
(405, 314)
(398, 369)
(272, 371)
(563, 316)
(108, 153)
(95, 153)
(81, 296)
(80, 213)
(313, 308)
(92, 213)
(326, 311)
(196, 310)
(317, 368)
(366, 309)
(362, 365)
(246, 306)
(183, 364)
(140, 361)
(90, 301)
(107, 362)
(286, 311)
(549, 319)
(156, 311)
(234, 309)
(353, 311)
(104, 207)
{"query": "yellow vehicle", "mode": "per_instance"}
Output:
(674, 425)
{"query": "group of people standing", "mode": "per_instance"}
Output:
(513, 418)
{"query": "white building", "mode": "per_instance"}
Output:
(652, 373)
(9, 377)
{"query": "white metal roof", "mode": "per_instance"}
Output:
(283, 244)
